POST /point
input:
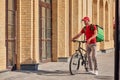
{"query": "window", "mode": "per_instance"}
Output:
(45, 30)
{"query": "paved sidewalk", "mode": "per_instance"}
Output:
(60, 71)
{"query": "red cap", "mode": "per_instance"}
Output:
(86, 18)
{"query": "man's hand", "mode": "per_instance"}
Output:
(73, 40)
(88, 41)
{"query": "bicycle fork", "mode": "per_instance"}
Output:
(80, 56)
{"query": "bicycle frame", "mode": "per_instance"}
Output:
(80, 48)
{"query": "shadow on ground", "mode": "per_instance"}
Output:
(52, 73)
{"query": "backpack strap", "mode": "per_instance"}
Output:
(84, 28)
(92, 27)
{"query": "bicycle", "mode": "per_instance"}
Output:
(77, 58)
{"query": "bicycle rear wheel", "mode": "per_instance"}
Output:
(74, 64)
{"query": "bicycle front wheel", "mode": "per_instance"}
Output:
(86, 62)
(74, 64)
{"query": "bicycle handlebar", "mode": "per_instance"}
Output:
(79, 46)
(79, 41)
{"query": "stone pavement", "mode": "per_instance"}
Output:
(60, 71)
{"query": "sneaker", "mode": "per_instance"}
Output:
(96, 72)
(91, 71)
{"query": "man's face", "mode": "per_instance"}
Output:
(86, 22)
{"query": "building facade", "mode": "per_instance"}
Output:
(35, 31)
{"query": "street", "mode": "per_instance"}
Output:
(60, 71)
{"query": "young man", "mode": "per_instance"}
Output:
(90, 44)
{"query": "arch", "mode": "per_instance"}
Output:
(94, 11)
(106, 21)
(101, 13)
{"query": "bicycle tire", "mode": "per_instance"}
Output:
(74, 64)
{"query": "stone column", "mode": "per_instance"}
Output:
(103, 43)
(98, 8)
(67, 28)
(73, 23)
(80, 26)
(63, 28)
(89, 8)
(54, 30)
(60, 29)
(27, 36)
(36, 31)
(111, 20)
(109, 24)
(2, 34)
(18, 35)
(84, 8)
(94, 11)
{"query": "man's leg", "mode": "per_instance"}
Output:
(94, 52)
(89, 57)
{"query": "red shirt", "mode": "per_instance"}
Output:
(89, 33)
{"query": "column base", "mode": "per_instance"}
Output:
(106, 50)
(63, 59)
(31, 67)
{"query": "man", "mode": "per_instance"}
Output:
(90, 44)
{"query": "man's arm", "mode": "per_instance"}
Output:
(78, 35)
(95, 34)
